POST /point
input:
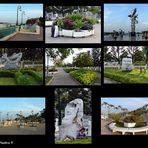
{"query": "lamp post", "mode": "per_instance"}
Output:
(23, 13)
(18, 9)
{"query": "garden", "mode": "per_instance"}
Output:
(124, 120)
(73, 22)
(21, 67)
(76, 66)
(126, 64)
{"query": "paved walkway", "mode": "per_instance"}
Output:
(110, 81)
(63, 78)
(96, 38)
(27, 37)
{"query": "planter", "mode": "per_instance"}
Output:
(60, 33)
(75, 34)
(129, 124)
(78, 34)
(68, 33)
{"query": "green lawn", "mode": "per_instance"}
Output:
(79, 141)
(7, 81)
(126, 77)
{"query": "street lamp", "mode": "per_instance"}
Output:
(18, 9)
(23, 13)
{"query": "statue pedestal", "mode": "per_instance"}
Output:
(70, 131)
(133, 34)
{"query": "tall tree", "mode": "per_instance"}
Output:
(145, 51)
(83, 60)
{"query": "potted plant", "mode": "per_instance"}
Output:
(131, 120)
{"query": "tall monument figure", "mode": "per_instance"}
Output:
(133, 16)
(72, 121)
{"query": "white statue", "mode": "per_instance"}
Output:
(72, 121)
(12, 61)
(127, 64)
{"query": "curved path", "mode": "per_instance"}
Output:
(63, 78)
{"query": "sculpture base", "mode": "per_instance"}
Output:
(133, 34)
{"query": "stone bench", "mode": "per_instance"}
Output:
(128, 130)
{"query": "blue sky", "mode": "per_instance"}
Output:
(129, 103)
(8, 12)
(116, 17)
(26, 105)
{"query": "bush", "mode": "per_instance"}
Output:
(21, 79)
(78, 24)
(6, 73)
(85, 77)
(39, 78)
(132, 119)
(69, 70)
(125, 77)
(115, 116)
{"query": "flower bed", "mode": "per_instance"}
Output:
(75, 25)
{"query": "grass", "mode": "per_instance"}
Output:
(126, 77)
(48, 79)
(78, 141)
(7, 81)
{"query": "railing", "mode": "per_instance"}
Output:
(28, 28)
(7, 31)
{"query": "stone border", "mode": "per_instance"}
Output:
(50, 81)
(128, 130)
(75, 80)
(8, 37)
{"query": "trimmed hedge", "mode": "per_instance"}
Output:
(38, 77)
(86, 77)
(20, 78)
(126, 77)
(7, 74)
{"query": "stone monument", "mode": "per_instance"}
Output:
(72, 121)
(127, 64)
(11, 62)
(133, 16)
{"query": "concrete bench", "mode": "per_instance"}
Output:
(127, 130)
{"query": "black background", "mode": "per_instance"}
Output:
(110, 90)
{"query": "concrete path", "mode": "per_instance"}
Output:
(110, 81)
(63, 78)
(96, 38)
(27, 37)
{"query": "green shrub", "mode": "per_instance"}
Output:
(6, 73)
(75, 16)
(38, 77)
(115, 116)
(69, 70)
(21, 79)
(92, 21)
(78, 24)
(86, 77)
(133, 77)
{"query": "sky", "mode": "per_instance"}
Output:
(8, 12)
(69, 59)
(129, 103)
(15, 105)
(116, 17)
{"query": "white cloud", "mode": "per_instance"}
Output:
(145, 23)
(107, 14)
